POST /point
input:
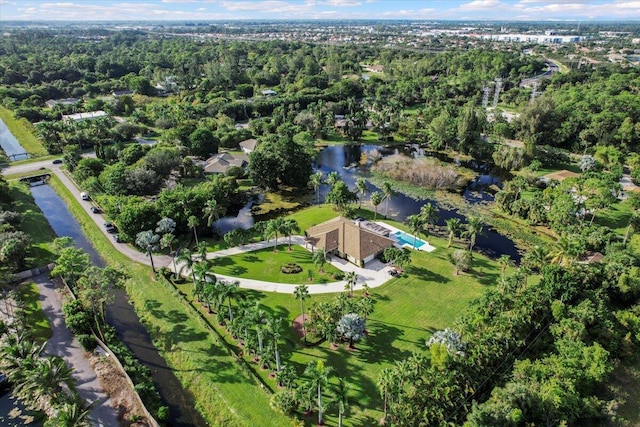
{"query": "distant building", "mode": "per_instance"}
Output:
(549, 38)
(248, 145)
(221, 162)
(269, 92)
(66, 101)
(348, 240)
(122, 93)
(78, 117)
(374, 68)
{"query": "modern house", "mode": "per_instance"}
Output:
(348, 240)
(221, 162)
(248, 145)
(269, 92)
(79, 117)
(125, 92)
(66, 101)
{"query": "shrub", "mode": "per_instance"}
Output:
(88, 342)
(291, 268)
(338, 275)
(76, 318)
(163, 414)
(284, 402)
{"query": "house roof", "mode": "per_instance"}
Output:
(347, 237)
(248, 144)
(84, 116)
(221, 162)
(560, 175)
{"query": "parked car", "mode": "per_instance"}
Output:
(96, 210)
(84, 196)
(117, 238)
(110, 227)
(57, 161)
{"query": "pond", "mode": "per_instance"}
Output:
(10, 144)
(341, 158)
(123, 317)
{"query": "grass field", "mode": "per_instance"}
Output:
(265, 265)
(225, 394)
(34, 224)
(20, 128)
(36, 319)
(428, 297)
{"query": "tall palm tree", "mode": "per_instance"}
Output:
(273, 328)
(193, 222)
(361, 186)
(213, 210)
(454, 227)
(376, 198)
(387, 191)
(202, 251)
(186, 259)
(290, 226)
(505, 261)
(415, 224)
(167, 241)
(472, 230)
(351, 278)
(302, 293)
(333, 178)
(316, 181)
(428, 214)
(228, 292)
(386, 383)
(275, 227)
(341, 398)
(318, 376)
(537, 257)
(565, 252)
(148, 242)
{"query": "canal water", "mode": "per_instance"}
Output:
(10, 144)
(122, 316)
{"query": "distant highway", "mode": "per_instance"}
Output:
(552, 68)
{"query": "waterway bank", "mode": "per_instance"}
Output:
(16, 138)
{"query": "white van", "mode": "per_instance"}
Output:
(84, 196)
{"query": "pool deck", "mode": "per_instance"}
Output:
(426, 247)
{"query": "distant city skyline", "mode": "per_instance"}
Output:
(176, 10)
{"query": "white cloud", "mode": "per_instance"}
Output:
(343, 3)
(480, 5)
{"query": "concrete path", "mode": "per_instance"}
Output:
(62, 343)
(375, 274)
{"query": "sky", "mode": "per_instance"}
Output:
(162, 10)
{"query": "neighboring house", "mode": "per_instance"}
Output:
(78, 117)
(558, 176)
(374, 68)
(221, 162)
(248, 145)
(66, 101)
(122, 93)
(349, 240)
(269, 92)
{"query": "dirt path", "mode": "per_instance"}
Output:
(65, 345)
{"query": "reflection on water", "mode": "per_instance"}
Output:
(10, 144)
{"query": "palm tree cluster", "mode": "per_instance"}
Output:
(41, 383)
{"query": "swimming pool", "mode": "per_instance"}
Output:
(407, 239)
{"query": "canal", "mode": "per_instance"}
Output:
(10, 144)
(122, 316)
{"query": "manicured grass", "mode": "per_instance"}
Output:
(225, 394)
(428, 297)
(23, 131)
(615, 217)
(36, 319)
(265, 265)
(34, 224)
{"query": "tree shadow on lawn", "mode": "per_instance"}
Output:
(426, 275)
(250, 258)
(236, 270)
(217, 369)
(223, 261)
(485, 272)
(380, 347)
(179, 332)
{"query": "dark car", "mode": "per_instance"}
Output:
(110, 227)
(96, 210)
(117, 238)
(57, 161)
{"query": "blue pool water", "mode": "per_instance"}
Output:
(407, 239)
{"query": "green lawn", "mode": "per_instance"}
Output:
(265, 265)
(36, 319)
(408, 310)
(34, 224)
(21, 129)
(225, 393)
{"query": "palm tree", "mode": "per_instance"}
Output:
(415, 224)
(213, 211)
(290, 226)
(504, 261)
(333, 178)
(365, 306)
(376, 198)
(387, 191)
(148, 242)
(428, 214)
(473, 229)
(341, 398)
(319, 257)
(75, 413)
(454, 227)
(167, 241)
(317, 375)
(193, 222)
(386, 384)
(273, 327)
(361, 186)
(186, 258)
(351, 278)
(537, 257)
(275, 227)
(565, 252)
(316, 181)
(228, 291)
(302, 293)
